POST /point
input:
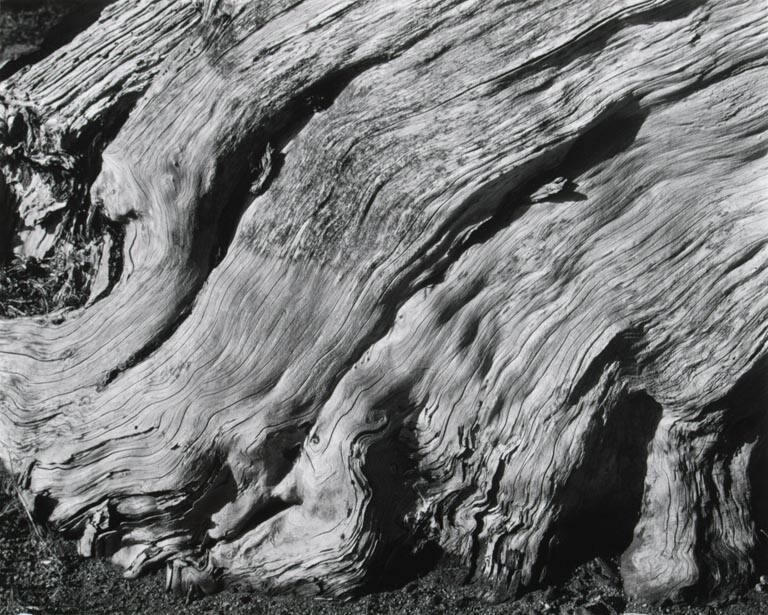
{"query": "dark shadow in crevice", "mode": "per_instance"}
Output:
(606, 138)
(78, 17)
(758, 471)
(241, 196)
(403, 562)
(219, 491)
(746, 424)
(43, 506)
(600, 504)
(404, 550)
(8, 222)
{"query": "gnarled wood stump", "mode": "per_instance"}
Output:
(363, 275)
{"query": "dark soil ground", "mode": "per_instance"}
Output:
(41, 574)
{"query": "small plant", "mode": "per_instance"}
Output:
(31, 286)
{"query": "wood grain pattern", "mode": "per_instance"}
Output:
(482, 274)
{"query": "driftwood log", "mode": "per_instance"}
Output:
(360, 276)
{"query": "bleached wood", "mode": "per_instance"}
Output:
(470, 272)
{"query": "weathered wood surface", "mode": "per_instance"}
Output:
(484, 274)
